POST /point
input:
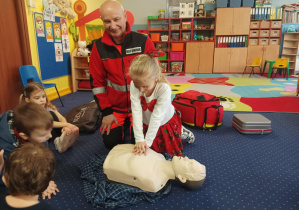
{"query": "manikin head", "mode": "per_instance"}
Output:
(190, 172)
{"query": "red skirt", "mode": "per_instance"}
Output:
(168, 138)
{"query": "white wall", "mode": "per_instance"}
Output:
(279, 3)
(141, 9)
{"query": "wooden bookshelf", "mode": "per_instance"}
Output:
(79, 67)
(290, 49)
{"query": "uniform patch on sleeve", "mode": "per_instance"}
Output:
(133, 50)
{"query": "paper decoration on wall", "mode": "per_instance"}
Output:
(65, 35)
(80, 8)
(49, 31)
(57, 32)
(39, 24)
(58, 52)
(49, 13)
(63, 26)
(65, 43)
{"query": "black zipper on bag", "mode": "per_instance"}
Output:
(188, 106)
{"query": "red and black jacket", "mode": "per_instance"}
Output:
(109, 69)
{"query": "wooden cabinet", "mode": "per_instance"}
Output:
(199, 57)
(290, 49)
(80, 70)
(230, 60)
(233, 21)
(267, 52)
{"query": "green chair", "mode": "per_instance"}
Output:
(270, 67)
(282, 66)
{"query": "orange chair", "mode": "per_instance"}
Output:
(256, 63)
(282, 66)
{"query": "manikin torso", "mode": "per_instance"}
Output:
(148, 172)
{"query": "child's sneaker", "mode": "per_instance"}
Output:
(187, 135)
(64, 142)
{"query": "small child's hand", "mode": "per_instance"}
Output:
(70, 128)
(74, 128)
(140, 148)
(1, 159)
(66, 130)
(51, 189)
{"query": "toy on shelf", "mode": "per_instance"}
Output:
(82, 50)
(65, 8)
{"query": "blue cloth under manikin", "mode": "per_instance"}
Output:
(105, 194)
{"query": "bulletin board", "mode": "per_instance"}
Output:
(49, 66)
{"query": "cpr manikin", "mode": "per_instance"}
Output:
(152, 171)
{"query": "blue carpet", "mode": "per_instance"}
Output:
(243, 171)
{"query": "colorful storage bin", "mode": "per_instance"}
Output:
(175, 36)
(175, 26)
(176, 56)
(177, 66)
(155, 36)
(186, 25)
(177, 46)
(186, 36)
(163, 66)
(163, 57)
(161, 46)
(164, 38)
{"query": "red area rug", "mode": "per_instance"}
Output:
(212, 81)
(273, 104)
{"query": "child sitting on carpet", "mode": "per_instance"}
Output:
(156, 123)
(27, 173)
(27, 123)
(34, 92)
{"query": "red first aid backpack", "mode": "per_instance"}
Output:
(199, 109)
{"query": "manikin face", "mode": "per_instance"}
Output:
(188, 169)
(114, 20)
(146, 86)
(49, 30)
(38, 97)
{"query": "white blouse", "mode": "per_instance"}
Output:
(162, 113)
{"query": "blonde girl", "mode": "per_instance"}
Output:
(34, 92)
(156, 123)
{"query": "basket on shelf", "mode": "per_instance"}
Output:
(164, 38)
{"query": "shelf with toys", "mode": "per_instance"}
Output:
(80, 71)
(171, 35)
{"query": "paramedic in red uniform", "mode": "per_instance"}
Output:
(109, 64)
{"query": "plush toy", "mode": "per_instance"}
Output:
(82, 50)
(65, 8)
(50, 3)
